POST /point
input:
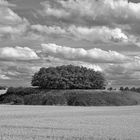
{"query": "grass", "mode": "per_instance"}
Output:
(30, 96)
(69, 123)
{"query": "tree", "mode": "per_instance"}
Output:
(68, 77)
(121, 89)
(133, 89)
(110, 88)
(126, 88)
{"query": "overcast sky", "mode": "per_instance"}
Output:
(100, 34)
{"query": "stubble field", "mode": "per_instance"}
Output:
(69, 123)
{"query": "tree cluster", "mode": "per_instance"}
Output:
(130, 89)
(68, 77)
(2, 87)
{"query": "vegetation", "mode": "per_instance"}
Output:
(70, 85)
(134, 89)
(68, 77)
(2, 87)
(32, 96)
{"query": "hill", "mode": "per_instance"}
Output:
(32, 96)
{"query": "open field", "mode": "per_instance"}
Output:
(68, 123)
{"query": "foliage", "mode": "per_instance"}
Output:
(68, 77)
(135, 89)
(44, 99)
(12, 99)
(121, 88)
(21, 91)
(2, 87)
(130, 89)
(77, 97)
(110, 88)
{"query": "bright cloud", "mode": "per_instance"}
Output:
(86, 14)
(98, 34)
(11, 25)
(103, 34)
(18, 53)
(93, 55)
(110, 8)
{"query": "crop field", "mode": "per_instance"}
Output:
(69, 123)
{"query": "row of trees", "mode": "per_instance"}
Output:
(68, 77)
(130, 89)
(2, 87)
(125, 89)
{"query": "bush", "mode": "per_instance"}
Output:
(13, 99)
(68, 77)
(22, 91)
(2, 88)
(42, 99)
(30, 96)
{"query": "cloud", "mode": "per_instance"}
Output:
(87, 9)
(119, 16)
(102, 34)
(4, 77)
(98, 34)
(49, 10)
(12, 26)
(6, 3)
(18, 53)
(8, 17)
(95, 55)
(48, 29)
(124, 74)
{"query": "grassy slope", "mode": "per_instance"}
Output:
(70, 97)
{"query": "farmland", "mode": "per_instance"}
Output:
(63, 122)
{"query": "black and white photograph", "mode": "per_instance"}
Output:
(69, 69)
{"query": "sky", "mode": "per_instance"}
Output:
(103, 35)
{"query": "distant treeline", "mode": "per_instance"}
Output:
(36, 96)
(126, 89)
(2, 87)
(130, 89)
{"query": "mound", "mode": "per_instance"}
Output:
(31, 96)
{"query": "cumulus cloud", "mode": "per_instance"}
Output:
(124, 74)
(48, 29)
(54, 11)
(11, 25)
(5, 3)
(4, 77)
(98, 34)
(115, 14)
(19, 53)
(102, 34)
(114, 9)
(95, 55)
(8, 16)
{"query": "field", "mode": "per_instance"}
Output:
(69, 123)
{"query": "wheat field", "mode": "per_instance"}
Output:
(69, 123)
